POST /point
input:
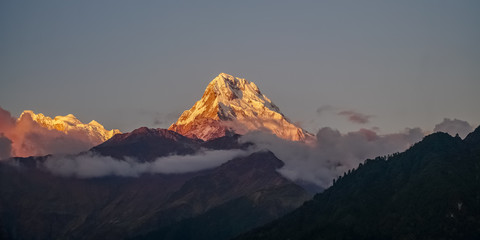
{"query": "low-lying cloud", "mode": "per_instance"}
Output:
(90, 165)
(333, 153)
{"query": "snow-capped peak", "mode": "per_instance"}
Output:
(232, 104)
(69, 123)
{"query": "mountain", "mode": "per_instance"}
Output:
(430, 191)
(235, 105)
(147, 144)
(69, 123)
(237, 196)
(234, 197)
(37, 135)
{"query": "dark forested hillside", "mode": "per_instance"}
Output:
(431, 191)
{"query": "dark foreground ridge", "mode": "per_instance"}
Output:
(430, 191)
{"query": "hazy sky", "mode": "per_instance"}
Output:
(128, 64)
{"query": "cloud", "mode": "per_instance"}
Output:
(89, 165)
(452, 127)
(333, 153)
(324, 108)
(197, 162)
(28, 138)
(356, 117)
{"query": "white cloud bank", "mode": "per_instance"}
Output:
(91, 165)
(333, 153)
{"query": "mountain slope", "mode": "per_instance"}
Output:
(235, 216)
(244, 189)
(431, 191)
(35, 204)
(232, 104)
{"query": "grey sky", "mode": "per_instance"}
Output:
(128, 64)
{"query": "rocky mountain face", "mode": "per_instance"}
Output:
(242, 193)
(430, 191)
(235, 105)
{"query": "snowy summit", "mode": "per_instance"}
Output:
(236, 105)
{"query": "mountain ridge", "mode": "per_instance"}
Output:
(129, 207)
(148, 144)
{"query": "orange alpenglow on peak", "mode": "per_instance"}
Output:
(69, 123)
(38, 135)
(232, 104)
